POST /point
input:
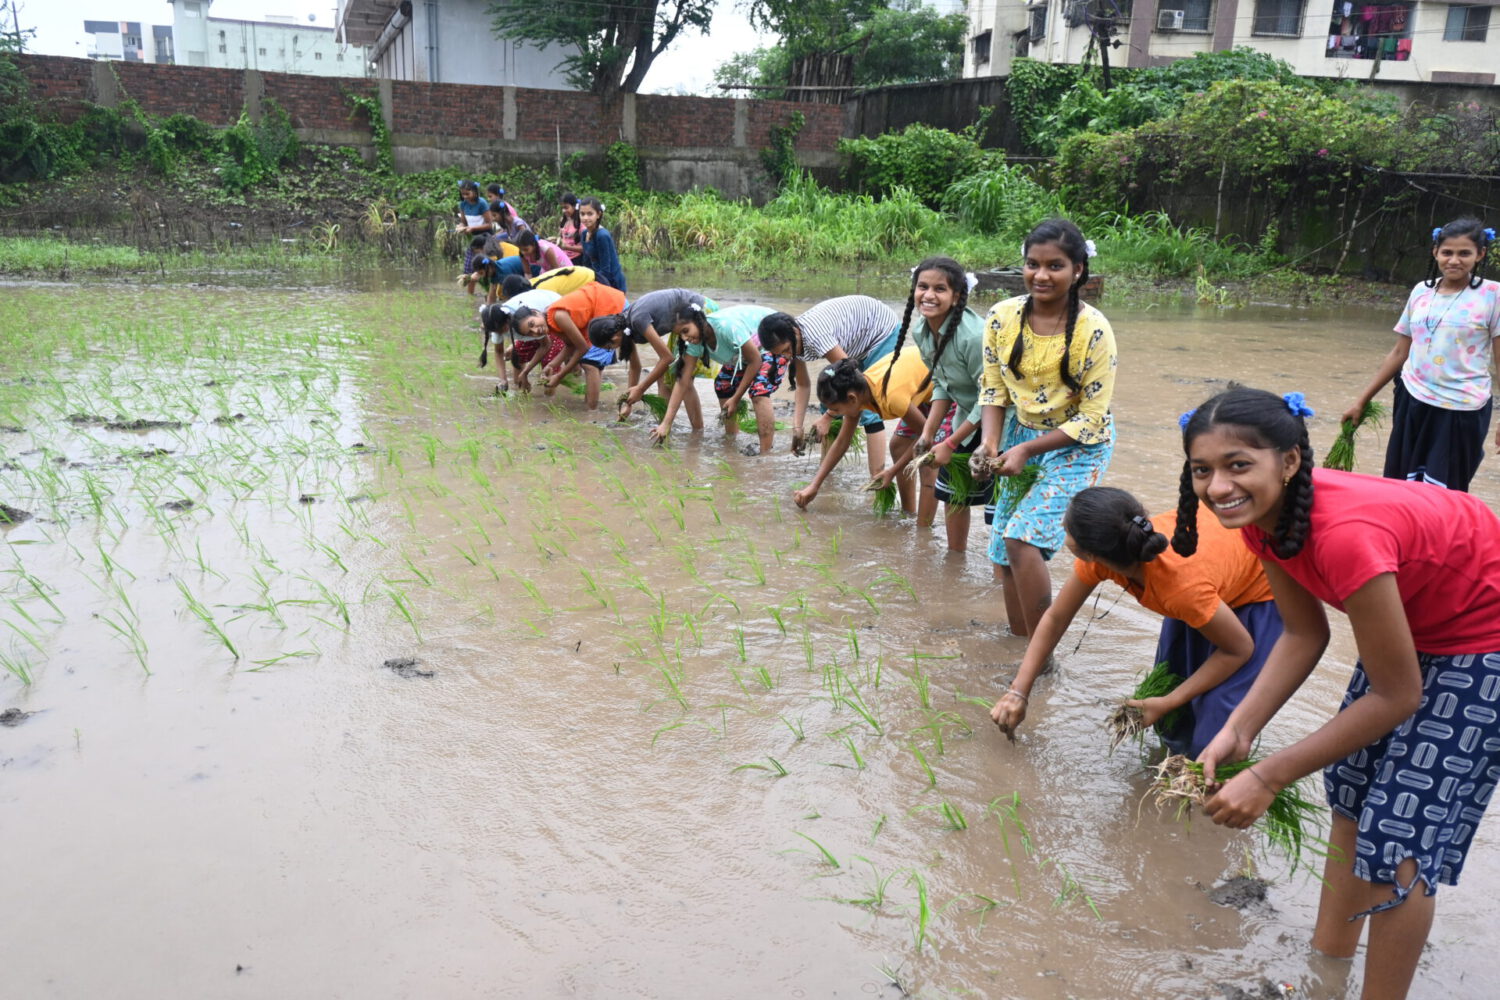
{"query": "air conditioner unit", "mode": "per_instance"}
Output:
(1169, 20)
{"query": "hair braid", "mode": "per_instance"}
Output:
(1075, 305)
(1019, 347)
(1185, 538)
(1293, 525)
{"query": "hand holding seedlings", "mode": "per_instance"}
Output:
(623, 407)
(804, 496)
(799, 442)
(659, 434)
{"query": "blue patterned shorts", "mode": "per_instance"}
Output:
(1420, 791)
(1038, 519)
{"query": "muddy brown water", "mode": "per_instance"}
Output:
(586, 797)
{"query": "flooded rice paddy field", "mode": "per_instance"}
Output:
(331, 674)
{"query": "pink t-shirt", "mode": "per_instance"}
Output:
(1443, 546)
(1451, 337)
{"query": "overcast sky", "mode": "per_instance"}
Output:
(60, 32)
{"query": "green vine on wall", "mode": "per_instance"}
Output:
(780, 158)
(380, 135)
(622, 165)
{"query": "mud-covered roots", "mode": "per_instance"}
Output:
(1125, 722)
(1179, 782)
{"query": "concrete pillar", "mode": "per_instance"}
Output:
(741, 121)
(106, 87)
(255, 92)
(387, 103)
(508, 113)
(1142, 23)
(627, 119)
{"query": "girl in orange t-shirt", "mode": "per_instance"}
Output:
(1220, 621)
(568, 319)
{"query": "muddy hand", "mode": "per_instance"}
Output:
(1008, 713)
(799, 443)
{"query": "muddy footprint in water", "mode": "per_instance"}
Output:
(13, 717)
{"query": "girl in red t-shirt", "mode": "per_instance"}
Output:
(1411, 758)
(1219, 622)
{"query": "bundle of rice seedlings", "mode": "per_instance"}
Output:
(1341, 453)
(886, 496)
(1127, 722)
(1011, 490)
(1286, 823)
(656, 404)
(747, 420)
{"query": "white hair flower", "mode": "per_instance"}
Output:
(1090, 249)
(971, 280)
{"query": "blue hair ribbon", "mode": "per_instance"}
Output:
(1489, 235)
(1182, 421)
(1297, 403)
(1437, 234)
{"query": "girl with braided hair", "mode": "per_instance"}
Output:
(1049, 373)
(1446, 339)
(1218, 620)
(728, 337)
(950, 338)
(1411, 758)
(891, 388)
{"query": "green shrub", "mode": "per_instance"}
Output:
(920, 158)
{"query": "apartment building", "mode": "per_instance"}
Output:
(1419, 41)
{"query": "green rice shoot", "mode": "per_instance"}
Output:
(1128, 722)
(1011, 490)
(1287, 823)
(656, 404)
(1341, 453)
(886, 498)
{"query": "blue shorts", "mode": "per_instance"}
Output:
(1037, 518)
(1183, 648)
(598, 357)
(1419, 791)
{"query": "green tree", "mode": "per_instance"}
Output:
(906, 42)
(613, 44)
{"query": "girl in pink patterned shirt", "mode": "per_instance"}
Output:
(1447, 336)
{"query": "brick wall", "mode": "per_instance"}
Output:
(431, 109)
(213, 95)
(63, 85)
(683, 121)
(582, 118)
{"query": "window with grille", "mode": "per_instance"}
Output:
(1278, 17)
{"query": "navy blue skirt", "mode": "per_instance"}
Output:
(1184, 649)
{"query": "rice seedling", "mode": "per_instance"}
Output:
(874, 897)
(1127, 722)
(924, 909)
(916, 752)
(796, 727)
(1287, 822)
(1341, 452)
(827, 855)
(206, 617)
(1011, 490)
(886, 497)
(17, 667)
(405, 610)
(772, 765)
